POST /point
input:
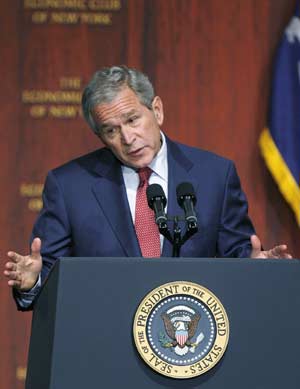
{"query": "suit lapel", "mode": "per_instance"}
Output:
(111, 196)
(180, 169)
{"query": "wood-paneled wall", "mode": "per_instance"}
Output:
(210, 61)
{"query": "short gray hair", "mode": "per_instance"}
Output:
(108, 82)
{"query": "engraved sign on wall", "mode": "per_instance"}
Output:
(61, 103)
(92, 12)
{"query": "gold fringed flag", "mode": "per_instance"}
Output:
(280, 142)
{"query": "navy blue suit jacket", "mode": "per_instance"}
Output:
(86, 212)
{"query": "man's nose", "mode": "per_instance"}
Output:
(127, 135)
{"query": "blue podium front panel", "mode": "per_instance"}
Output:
(83, 319)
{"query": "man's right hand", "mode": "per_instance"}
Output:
(23, 271)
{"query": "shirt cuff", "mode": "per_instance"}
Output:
(25, 299)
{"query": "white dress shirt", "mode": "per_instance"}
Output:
(159, 166)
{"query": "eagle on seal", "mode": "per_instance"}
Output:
(181, 326)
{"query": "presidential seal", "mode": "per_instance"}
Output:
(181, 329)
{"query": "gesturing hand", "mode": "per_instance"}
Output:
(276, 252)
(22, 271)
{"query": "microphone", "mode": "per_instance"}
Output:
(157, 201)
(186, 199)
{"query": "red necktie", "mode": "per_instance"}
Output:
(145, 226)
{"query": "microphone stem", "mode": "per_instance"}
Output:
(176, 239)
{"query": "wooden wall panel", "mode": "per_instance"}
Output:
(9, 183)
(220, 61)
(211, 63)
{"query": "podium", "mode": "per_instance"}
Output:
(83, 319)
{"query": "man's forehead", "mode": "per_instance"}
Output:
(123, 105)
(105, 114)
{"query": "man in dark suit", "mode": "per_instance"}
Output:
(90, 204)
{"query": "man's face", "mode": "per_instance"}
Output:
(130, 129)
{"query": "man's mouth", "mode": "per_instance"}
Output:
(136, 152)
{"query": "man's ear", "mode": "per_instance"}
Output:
(158, 110)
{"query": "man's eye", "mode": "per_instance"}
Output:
(132, 119)
(109, 131)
